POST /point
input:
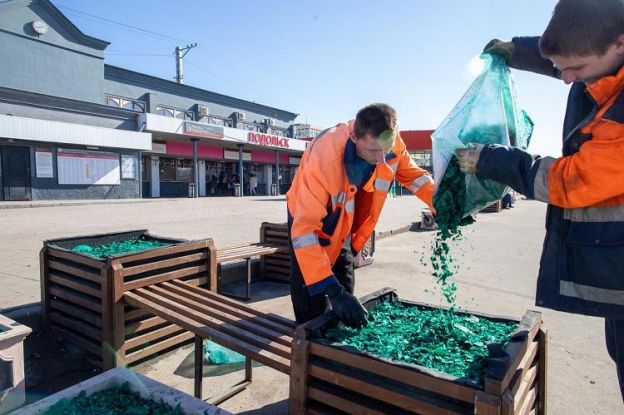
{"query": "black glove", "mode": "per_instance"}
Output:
(500, 48)
(346, 306)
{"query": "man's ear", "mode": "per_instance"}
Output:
(619, 44)
(352, 138)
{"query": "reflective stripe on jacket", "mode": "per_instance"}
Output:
(326, 207)
(582, 264)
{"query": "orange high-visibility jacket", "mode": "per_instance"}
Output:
(582, 263)
(326, 207)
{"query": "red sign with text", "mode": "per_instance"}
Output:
(267, 140)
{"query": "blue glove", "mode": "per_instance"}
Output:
(346, 306)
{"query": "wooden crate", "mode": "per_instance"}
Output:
(334, 379)
(275, 266)
(82, 296)
(493, 208)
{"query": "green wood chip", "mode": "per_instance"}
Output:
(446, 341)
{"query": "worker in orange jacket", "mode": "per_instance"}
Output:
(334, 204)
(582, 263)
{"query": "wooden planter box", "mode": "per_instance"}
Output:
(334, 379)
(275, 266)
(493, 208)
(82, 296)
(147, 388)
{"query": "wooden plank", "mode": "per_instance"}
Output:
(256, 353)
(108, 359)
(407, 376)
(224, 300)
(155, 279)
(335, 401)
(526, 384)
(135, 314)
(168, 250)
(297, 401)
(487, 404)
(81, 259)
(525, 364)
(151, 266)
(277, 270)
(235, 311)
(542, 390)
(75, 298)
(408, 403)
(75, 285)
(249, 326)
(516, 350)
(118, 321)
(527, 406)
(89, 276)
(76, 325)
(44, 285)
(148, 323)
(242, 335)
(152, 336)
(79, 341)
(158, 347)
(76, 312)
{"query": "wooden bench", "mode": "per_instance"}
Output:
(264, 337)
(247, 252)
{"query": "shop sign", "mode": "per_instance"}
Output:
(268, 140)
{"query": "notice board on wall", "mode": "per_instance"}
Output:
(87, 167)
(43, 163)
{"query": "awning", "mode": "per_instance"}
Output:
(31, 129)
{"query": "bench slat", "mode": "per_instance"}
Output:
(225, 317)
(242, 335)
(234, 311)
(256, 353)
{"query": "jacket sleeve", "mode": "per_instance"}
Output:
(586, 178)
(527, 57)
(312, 200)
(417, 180)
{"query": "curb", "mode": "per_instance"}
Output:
(407, 228)
(27, 205)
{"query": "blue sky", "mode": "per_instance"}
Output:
(326, 59)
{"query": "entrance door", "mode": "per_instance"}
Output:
(16, 172)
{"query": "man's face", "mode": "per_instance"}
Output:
(374, 149)
(590, 68)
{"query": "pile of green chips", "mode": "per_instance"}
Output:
(121, 247)
(437, 339)
(114, 401)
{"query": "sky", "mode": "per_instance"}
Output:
(325, 59)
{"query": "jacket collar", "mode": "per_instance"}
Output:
(606, 87)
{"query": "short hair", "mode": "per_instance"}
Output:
(583, 27)
(375, 119)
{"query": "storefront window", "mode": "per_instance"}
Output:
(145, 168)
(184, 170)
(167, 170)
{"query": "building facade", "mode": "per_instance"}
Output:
(73, 127)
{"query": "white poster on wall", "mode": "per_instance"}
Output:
(43, 163)
(87, 167)
(128, 167)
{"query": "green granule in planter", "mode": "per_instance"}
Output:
(449, 204)
(121, 247)
(448, 342)
(114, 401)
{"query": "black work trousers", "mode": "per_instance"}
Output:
(614, 334)
(308, 306)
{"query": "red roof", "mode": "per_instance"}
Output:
(417, 139)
